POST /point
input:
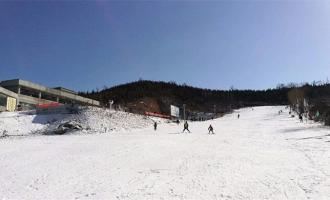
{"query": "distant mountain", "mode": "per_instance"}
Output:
(157, 96)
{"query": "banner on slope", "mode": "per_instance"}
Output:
(175, 111)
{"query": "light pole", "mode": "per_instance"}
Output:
(184, 111)
(214, 109)
(230, 97)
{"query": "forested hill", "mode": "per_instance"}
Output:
(157, 96)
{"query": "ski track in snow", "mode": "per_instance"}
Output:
(262, 155)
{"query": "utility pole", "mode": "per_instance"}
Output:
(214, 109)
(230, 97)
(184, 111)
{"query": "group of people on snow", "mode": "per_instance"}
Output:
(210, 128)
(186, 127)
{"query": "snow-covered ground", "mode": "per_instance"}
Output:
(262, 155)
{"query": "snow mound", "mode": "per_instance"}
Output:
(93, 120)
(23, 123)
(103, 120)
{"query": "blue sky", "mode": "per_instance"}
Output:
(87, 45)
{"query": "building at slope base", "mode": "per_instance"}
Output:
(7, 100)
(28, 94)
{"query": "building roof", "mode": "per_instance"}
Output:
(65, 90)
(8, 92)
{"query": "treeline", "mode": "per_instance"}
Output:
(311, 100)
(157, 96)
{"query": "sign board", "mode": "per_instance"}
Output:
(157, 115)
(57, 108)
(11, 104)
(175, 111)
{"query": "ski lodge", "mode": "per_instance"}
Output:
(20, 94)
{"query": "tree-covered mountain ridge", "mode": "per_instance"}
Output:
(157, 96)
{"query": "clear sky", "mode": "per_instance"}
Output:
(86, 45)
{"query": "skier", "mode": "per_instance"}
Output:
(210, 129)
(155, 125)
(301, 117)
(238, 116)
(185, 127)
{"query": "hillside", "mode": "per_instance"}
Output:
(157, 96)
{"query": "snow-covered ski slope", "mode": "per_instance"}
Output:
(262, 155)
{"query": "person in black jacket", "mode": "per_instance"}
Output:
(155, 125)
(185, 127)
(301, 117)
(210, 129)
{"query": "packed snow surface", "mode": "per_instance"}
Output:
(261, 155)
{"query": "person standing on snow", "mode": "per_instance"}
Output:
(155, 125)
(301, 117)
(185, 127)
(210, 129)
